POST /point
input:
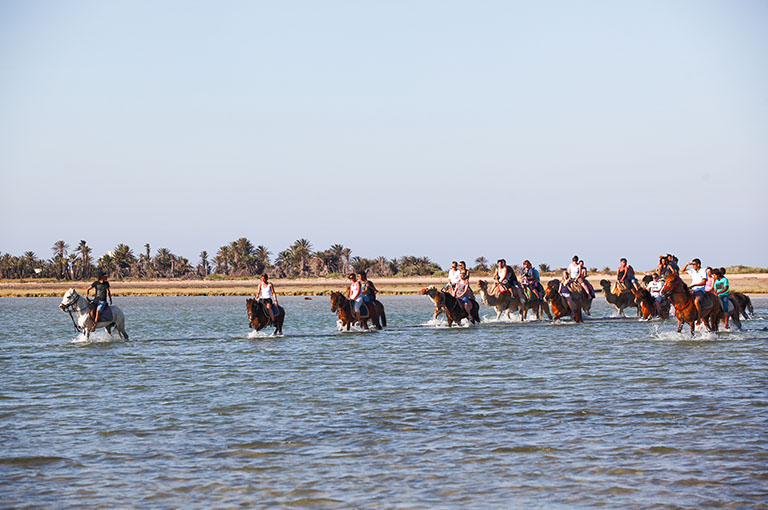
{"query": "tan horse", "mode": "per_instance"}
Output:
(431, 293)
(690, 308)
(647, 306)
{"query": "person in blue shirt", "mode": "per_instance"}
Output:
(721, 290)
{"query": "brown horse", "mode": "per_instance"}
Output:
(454, 308)
(744, 304)
(345, 309)
(259, 318)
(560, 305)
(431, 293)
(690, 308)
(647, 306)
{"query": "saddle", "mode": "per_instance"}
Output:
(106, 314)
(618, 288)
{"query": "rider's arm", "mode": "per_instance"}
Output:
(274, 294)
(87, 291)
(109, 294)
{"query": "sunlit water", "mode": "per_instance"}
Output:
(193, 411)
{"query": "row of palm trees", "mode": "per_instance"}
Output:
(239, 258)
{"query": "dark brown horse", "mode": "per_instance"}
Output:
(647, 306)
(345, 309)
(690, 308)
(259, 317)
(560, 305)
(745, 304)
(454, 308)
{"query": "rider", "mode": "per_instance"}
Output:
(464, 292)
(354, 293)
(626, 275)
(453, 276)
(529, 277)
(506, 280)
(266, 293)
(463, 267)
(576, 272)
(698, 275)
(654, 287)
(368, 290)
(101, 292)
(722, 289)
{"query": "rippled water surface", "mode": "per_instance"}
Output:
(194, 412)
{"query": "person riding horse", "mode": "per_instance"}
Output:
(506, 280)
(577, 273)
(454, 275)
(463, 292)
(355, 294)
(101, 292)
(654, 287)
(529, 278)
(367, 289)
(266, 294)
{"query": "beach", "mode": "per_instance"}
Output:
(750, 283)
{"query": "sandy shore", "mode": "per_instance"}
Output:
(752, 283)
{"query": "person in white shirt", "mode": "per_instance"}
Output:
(354, 293)
(698, 275)
(654, 287)
(266, 294)
(454, 275)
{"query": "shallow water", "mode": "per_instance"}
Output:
(193, 411)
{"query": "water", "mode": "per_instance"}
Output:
(191, 412)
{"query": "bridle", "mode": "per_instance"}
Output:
(68, 308)
(668, 291)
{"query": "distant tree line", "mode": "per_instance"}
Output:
(240, 258)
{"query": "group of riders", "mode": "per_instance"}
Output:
(526, 288)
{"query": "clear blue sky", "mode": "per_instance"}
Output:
(448, 129)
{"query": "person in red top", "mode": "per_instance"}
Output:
(626, 275)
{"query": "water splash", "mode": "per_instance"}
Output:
(262, 334)
(96, 337)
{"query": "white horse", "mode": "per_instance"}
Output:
(72, 301)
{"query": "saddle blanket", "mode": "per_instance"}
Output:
(106, 315)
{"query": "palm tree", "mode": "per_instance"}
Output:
(60, 249)
(164, 261)
(481, 264)
(544, 268)
(123, 258)
(301, 252)
(262, 258)
(85, 259)
(222, 260)
(205, 268)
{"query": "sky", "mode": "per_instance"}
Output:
(445, 129)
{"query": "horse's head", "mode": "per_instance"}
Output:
(70, 298)
(335, 301)
(430, 291)
(552, 289)
(251, 305)
(670, 284)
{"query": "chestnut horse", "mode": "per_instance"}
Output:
(345, 309)
(454, 308)
(690, 308)
(646, 304)
(559, 304)
(259, 318)
(431, 293)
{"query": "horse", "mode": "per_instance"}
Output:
(500, 301)
(74, 302)
(647, 306)
(689, 308)
(734, 311)
(454, 308)
(431, 293)
(560, 305)
(258, 318)
(744, 304)
(625, 299)
(345, 309)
